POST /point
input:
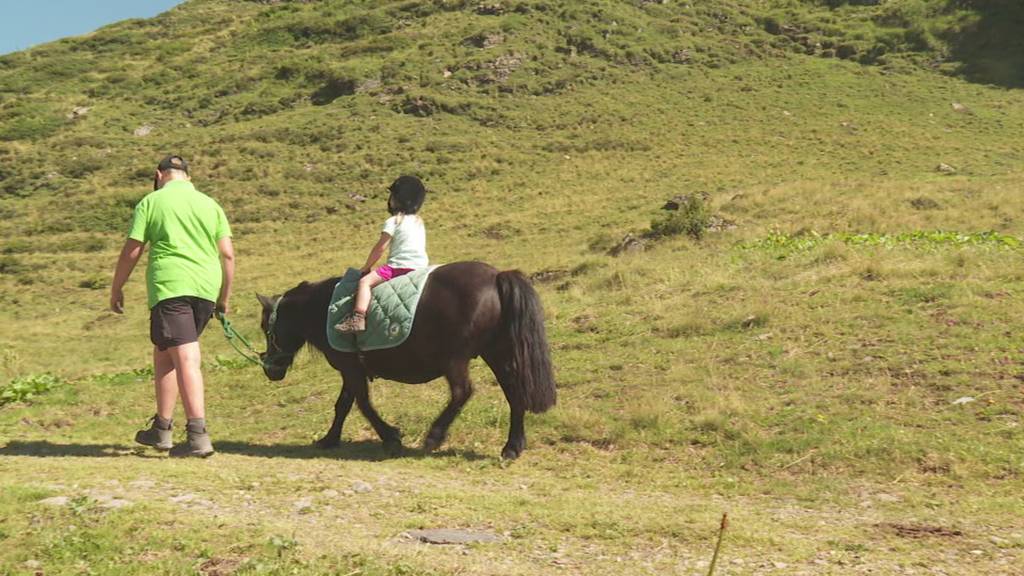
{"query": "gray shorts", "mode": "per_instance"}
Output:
(178, 321)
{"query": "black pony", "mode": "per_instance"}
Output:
(467, 309)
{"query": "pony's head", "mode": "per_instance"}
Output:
(284, 336)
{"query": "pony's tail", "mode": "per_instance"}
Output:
(529, 372)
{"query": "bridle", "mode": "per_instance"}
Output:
(271, 357)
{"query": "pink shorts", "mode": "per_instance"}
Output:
(387, 272)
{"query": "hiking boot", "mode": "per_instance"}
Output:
(196, 444)
(155, 436)
(354, 322)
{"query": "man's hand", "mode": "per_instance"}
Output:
(117, 300)
(223, 307)
(125, 264)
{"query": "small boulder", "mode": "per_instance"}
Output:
(77, 112)
(490, 9)
(629, 244)
(945, 168)
(143, 130)
(303, 505)
(484, 39)
(113, 503)
(370, 85)
(680, 200)
(719, 224)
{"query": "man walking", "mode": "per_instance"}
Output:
(191, 267)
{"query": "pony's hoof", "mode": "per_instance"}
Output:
(393, 447)
(430, 443)
(510, 452)
(327, 442)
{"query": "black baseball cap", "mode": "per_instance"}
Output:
(173, 162)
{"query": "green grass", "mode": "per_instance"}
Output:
(799, 370)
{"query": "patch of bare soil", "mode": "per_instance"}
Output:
(920, 530)
(220, 566)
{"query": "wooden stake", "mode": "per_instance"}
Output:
(718, 546)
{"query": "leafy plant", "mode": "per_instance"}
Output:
(28, 387)
(282, 544)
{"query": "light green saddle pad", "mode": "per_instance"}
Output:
(389, 319)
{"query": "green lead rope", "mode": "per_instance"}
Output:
(234, 335)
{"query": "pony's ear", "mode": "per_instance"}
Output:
(264, 301)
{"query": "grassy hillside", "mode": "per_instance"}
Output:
(838, 366)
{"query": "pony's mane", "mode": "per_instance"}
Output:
(312, 299)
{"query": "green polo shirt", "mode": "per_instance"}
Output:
(182, 227)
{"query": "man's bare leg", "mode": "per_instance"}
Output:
(166, 382)
(187, 368)
(186, 360)
(160, 435)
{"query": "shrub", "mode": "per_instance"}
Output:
(336, 85)
(919, 38)
(95, 282)
(846, 51)
(692, 218)
(81, 165)
(13, 266)
(30, 121)
(16, 246)
(319, 30)
(772, 25)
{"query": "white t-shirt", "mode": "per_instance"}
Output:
(408, 241)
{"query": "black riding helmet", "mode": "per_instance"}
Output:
(407, 195)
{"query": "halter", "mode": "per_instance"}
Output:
(271, 339)
(270, 358)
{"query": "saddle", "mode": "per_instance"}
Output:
(389, 318)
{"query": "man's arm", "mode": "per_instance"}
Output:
(227, 266)
(126, 262)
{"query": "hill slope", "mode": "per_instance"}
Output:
(800, 367)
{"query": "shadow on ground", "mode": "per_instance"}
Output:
(367, 451)
(46, 449)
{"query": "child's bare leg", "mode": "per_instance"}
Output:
(366, 284)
